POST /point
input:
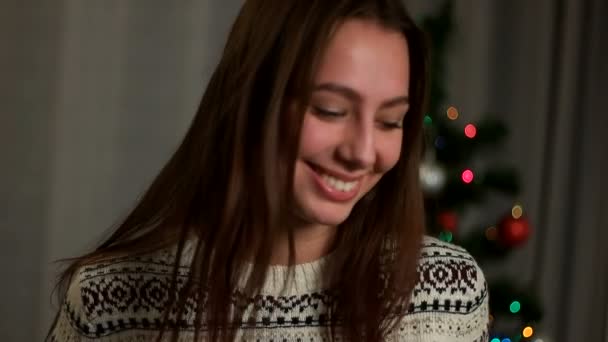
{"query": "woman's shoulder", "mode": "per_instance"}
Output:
(450, 298)
(449, 277)
(433, 247)
(117, 294)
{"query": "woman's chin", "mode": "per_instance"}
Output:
(327, 217)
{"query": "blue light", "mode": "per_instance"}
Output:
(440, 142)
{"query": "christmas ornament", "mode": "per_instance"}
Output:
(513, 232)
(448, 220)
(432, 176)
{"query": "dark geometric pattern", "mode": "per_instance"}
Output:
(131, 294)
(447, 276)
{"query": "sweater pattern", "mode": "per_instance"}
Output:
(130, 294)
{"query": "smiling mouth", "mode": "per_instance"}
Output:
(336, 184)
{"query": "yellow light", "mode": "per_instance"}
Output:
(527, 332)
(517, 211)
(452, 113)
(491, 233)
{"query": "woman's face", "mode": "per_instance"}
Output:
(352, 130)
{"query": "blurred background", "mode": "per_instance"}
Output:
(95, 96)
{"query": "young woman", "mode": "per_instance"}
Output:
(292, 210)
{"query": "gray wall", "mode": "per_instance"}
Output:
(96, 95)
(28, 38)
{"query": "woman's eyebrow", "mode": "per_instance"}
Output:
(354, 96)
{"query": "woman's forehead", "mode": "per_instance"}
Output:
(366, 57)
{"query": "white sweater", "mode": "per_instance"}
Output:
(120, 300)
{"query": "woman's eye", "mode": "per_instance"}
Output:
(388, 125)
(327, 112)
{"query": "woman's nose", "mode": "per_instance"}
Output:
(357, 149)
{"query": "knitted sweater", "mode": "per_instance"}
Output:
(121, 300)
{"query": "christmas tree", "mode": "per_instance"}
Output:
(456, 180)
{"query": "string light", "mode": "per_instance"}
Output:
(440, 142)
(452, 113)
(517, 211)
(470, 131)
(446, 236)
(527, 332)
(495, 339)
(506, 339)
(428, 120)
(515, 306)
(467, 176)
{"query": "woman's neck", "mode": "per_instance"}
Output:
(311, 242)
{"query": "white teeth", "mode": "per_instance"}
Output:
(338, 184)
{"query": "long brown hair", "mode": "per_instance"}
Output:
(232, 176)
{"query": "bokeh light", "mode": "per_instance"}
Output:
(467, 176)
(440, 143)
(527, 332)
(470, 131)
(446, 236)
(452, 113)
(517, 211)
(428, 120)
(515, 306)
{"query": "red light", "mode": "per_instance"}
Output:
(467, 176)
(470, 131)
